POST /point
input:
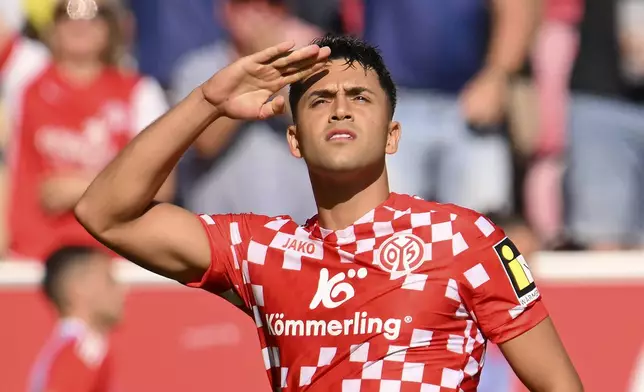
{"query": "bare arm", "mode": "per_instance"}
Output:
(60, 194)
(540, 360)
(484, 98)
(118, 207)
(514, 25)
(216, 137)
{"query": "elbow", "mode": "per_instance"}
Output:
(86, 214)
(82, 213)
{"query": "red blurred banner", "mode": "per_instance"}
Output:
(179, 339)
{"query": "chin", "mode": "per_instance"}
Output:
(341, 167)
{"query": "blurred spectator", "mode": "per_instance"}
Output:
(324, 14)
(604, 182)
(88, 301)
(553, 57)
(452, 61)
(69, 116)
(237, 167)
(169, 29)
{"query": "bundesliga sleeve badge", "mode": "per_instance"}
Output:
(517, 271)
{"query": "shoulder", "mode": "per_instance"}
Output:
(463, 227)
(79, 349)
(21, 63)
(246, 225)
(465, 217)
(26, 52)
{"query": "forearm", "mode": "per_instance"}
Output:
(216, 137)
(514, 24)
(127, 186)
(61, 194)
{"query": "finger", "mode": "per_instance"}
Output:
(322, 57)
(302, 74)
(307, 52)
(272, 108)
(267, 54)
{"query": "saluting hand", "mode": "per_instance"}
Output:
(242, 89)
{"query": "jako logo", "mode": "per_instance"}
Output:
(299, 246)
(330, 289)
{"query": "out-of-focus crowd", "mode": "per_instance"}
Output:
(529, 111)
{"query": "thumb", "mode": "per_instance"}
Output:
(272, 108)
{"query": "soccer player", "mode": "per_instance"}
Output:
(79, 283)
(377, 292)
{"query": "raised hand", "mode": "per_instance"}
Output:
(242, 89)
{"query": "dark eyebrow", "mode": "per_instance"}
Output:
(353, 91)
(328, 93)
(322, 93)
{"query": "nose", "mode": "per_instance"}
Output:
(341, 111)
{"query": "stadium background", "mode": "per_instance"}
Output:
(174, 338)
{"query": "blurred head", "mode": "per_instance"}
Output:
(80, 283)
(85, 31)
(240, 17)
(343, 114)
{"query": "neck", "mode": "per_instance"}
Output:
(342, 201)
(79, 71)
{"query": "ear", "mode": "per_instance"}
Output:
(293, 143)
(393, 137)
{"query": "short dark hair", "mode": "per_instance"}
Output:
(58, 265)
(353, 50)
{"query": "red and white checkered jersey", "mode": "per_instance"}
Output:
(404, 299)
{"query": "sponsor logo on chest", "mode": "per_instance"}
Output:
(332, 292)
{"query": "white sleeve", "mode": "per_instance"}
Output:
(148, 102)
(26, 60)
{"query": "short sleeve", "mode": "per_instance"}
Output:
(497, 284)
(228, 236)
(20, 61)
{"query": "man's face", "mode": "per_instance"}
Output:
(343, 121)
(105, 295)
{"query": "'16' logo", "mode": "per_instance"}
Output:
(330, 289)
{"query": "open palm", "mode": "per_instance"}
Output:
(242, 89)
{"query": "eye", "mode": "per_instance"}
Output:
(318, 102)
(361, 98)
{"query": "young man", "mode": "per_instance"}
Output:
(79, 283)
(379, 291)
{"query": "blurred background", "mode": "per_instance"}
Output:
(530, 111)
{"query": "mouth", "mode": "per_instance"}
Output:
(340, 134)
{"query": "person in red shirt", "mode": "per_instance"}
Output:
(79, 283)
(377, 292)
(71, 110)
